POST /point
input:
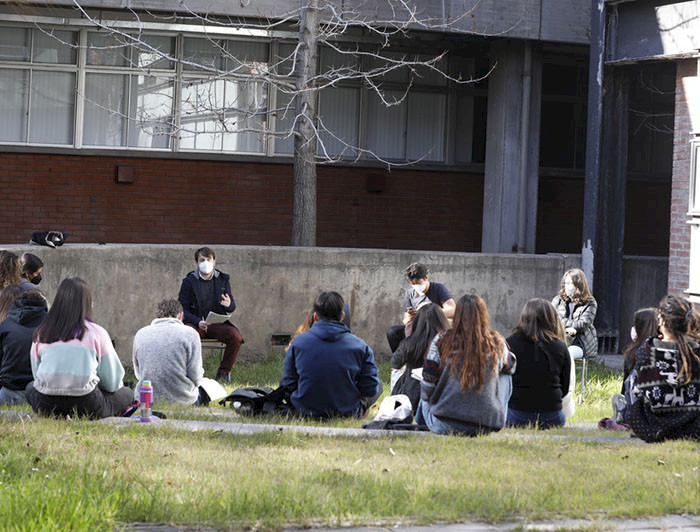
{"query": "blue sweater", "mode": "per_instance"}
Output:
(327, 370)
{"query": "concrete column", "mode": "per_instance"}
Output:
(512, 149)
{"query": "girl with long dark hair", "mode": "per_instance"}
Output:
(665, 397)
(542, 376)
(466, 375)
(75, 367)
(429, 321)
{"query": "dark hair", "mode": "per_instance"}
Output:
(30, 263)
(681, 320)
(471, 345)
(429, 321)
(32, 295)
(8, 296)
(416, 271)
(204, 252)
(582, 292)
(646, 326)
(539, 322)
(329, 306)
(168, 308)
(67, 319)
(9, 269)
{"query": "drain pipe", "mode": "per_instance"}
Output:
(524, 146)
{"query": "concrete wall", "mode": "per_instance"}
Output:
(274, 286)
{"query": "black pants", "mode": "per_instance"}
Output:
(395, 335)
(95, 405)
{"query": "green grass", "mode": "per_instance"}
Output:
(80, 475)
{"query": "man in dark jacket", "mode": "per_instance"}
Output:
(327, 370)
(206, 290)
(16, 332)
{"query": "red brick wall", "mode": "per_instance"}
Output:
(679, 248)
(185, 201)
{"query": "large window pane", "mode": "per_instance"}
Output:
(285, 112)
(202, 115)
(14, 85)
(54, 46)
(426, 126)
(150, 52)
(14, 44)
(386, 132)
(52, 104)
(150, 112)
(105, 109)
(389, 69)
(464, 127)
(284, 60)
(338, 113)
(430, 75)
(333, 60)
(204, 54)
(108, 49)
(245, 107)
(248, 57)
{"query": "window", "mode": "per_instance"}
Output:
(131, 90)
(38, 101)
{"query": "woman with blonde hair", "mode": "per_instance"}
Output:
(577, 308)
(542, 376)
(10, 271)
(466, 375)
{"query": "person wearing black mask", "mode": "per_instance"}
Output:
(16, 332)
(32, 266)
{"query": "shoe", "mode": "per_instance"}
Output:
(129, 410)
(619, 405)
(223, 377)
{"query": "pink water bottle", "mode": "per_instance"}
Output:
(146, 398)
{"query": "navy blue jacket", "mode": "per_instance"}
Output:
(16, 341)
(190, 297)
(327, 370)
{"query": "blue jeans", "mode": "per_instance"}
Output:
(425, 417)
(11, 397)
(543, 420)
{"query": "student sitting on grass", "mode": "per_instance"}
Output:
(467, 375)
(666, 394)
(76, 369)
(327, 370)
(169, 354)
(544, 367)
(16, 332)
(645, 326)
(410, 355)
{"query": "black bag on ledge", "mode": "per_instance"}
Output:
(51, 239)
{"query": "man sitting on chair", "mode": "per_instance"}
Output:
(205, 290)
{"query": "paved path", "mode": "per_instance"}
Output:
(667, 523)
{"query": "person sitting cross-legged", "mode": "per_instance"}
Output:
(328, 371)
(169, 354)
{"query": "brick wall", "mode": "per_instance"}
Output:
(217, 202)
(679, 247)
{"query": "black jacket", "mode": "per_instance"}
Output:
(16, 341)
(190, 297)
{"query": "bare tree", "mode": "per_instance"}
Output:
(362, 36)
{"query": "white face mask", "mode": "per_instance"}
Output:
(633, 334)
(420, 288)
(206, 267)
(569, 289)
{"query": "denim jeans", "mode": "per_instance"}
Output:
(11, 397)
(425, 417)
(543, 420)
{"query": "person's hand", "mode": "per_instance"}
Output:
(412, 312)
(225, 300)
(203, 325)
(571, 331)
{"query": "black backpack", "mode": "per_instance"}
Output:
(259, 401)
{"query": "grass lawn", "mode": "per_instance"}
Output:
(81, 475)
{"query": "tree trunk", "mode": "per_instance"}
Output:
(304, 217)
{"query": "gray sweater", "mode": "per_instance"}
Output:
(450, 403)
(169, 354)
